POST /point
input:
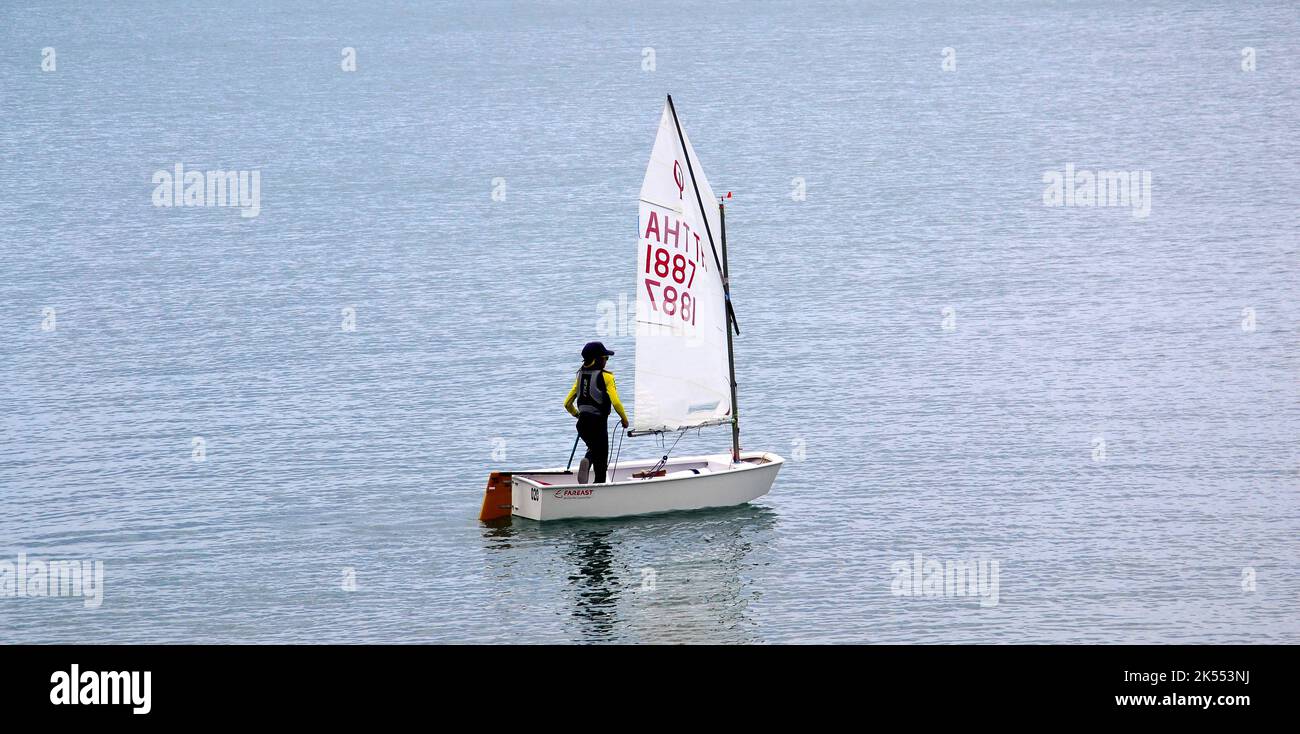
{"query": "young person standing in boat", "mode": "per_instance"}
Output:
(590, 400)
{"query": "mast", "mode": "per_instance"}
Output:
(731, 353)
(726, 285)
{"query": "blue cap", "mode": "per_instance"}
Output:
(591, 350)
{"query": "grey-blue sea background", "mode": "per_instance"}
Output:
(1096, 417)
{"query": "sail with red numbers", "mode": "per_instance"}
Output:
(682, 378)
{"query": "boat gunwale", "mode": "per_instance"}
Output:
(775, 460)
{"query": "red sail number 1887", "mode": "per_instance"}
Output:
(664, 265)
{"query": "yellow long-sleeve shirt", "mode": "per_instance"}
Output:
(570, 403)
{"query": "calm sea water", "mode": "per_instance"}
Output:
(952, 368)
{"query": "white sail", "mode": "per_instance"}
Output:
(682, 379)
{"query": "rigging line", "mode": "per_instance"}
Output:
(609, 447)
(611, 478)
(665, 207)
(669, 326)
(679, 438)
(664, 461)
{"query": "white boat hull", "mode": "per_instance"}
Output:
(553, 494)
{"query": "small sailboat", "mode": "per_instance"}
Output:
(685, 365)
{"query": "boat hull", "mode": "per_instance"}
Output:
(691, 483)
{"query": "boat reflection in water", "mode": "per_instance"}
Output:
(674, 578)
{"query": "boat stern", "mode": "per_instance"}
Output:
(497, 499)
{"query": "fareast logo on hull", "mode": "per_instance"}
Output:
(562, 494)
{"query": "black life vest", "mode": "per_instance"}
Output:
(593, 398)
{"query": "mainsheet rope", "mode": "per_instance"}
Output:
(617, 426)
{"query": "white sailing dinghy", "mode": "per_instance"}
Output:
(685, 366)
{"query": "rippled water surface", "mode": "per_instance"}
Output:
(1095, 417)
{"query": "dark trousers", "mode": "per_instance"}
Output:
(595, 433)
